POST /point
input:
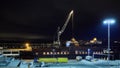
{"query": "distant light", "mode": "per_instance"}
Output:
(91, 41)
(36, 53)
(44, 53)
(65, 53)
(28, 47)
(115, 41)
(109, 21)
(95, 39)
(54, 53)
(47, 53)
(61, 52)
(51, 53)
(68, 43)
(76, 52)
(79, 52)
(27, 44)
(58, 53)
(88, 50)
(83, 52)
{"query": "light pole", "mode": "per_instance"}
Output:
(109, 22)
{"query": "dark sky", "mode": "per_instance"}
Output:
(39, 19)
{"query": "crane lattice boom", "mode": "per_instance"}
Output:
(64, 26)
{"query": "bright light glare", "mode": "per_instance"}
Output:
(109, 21)
(27, 44)
(28, 47)
(68, 43)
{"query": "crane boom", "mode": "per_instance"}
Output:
(64, 27)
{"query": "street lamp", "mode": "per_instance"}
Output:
(109, 22)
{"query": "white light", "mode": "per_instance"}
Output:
(61, 52)
(51, 53)
(71, 12)
(68, 43)
(58, 53)
(79, 52)
(44, 53)
(47, 53)
(76, 52)
(65, 53)
(109, 21)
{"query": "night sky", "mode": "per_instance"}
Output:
(39, 19)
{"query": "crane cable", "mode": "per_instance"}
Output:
(73, 25)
